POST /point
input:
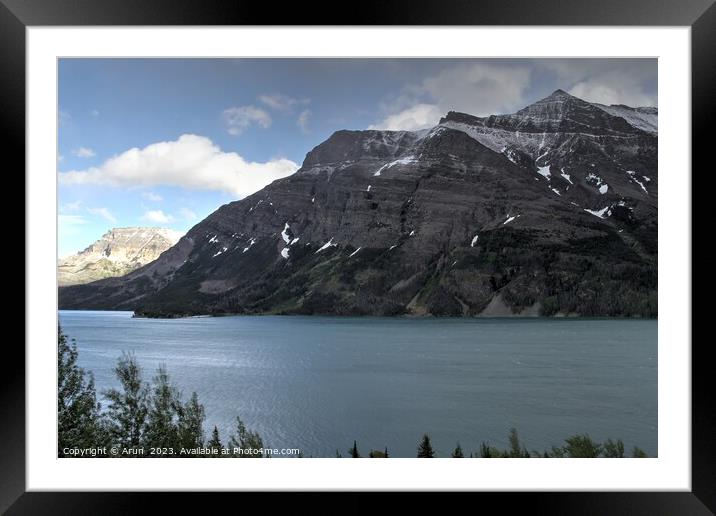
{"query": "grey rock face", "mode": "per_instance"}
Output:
(644, 118)
(551, 210)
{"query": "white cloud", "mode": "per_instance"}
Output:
(606, 81)
(238, 119)
(413, 118)
(104, 213)
(63, 117)
(60, 158)
(71, 220)
(191, 161)
(606, 92)
(84, 152)
(187, 214)
(281, 102)
(94, 112)
(151, 196)
(480, 88)
(157, 216)
(71, 206)
(476, 88)
(303, 119)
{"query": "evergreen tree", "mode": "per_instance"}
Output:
(514, 441)
(161, 428)
(128, 407)
(613, 450)
(457, 452)
(638, 453)
(557, 452)
(485, 451)
(338, 454)
(191, 423)
(354, 451)
(582, 446)
(386, 453)
(425, 448)
(245, 440)
(215, 442)
(516, 450)
(78, 413)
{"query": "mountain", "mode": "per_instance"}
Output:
(119, 251)
(551, 210)
(644, 118)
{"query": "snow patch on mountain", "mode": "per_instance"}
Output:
(544, 171)
(326, 245)
(401, 161)
(251, 243)
(602, 214)
(632, 176)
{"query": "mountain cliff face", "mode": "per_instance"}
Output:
(119, 251)
(548, 211)
(644, 118)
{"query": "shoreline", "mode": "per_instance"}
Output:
(402, 316)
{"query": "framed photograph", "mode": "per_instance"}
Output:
(454, 233)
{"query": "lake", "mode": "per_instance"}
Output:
(319, 383)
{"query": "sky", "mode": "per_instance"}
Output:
(165, 142)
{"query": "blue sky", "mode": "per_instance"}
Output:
(164, 142)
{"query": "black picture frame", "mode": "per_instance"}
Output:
(700, 15)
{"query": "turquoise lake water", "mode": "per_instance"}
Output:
(319, 383)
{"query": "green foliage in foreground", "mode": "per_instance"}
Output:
(576, 446)
(78, 412)
(141, 420)
(146, 419)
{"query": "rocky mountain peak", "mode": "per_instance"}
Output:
(348, 146)
(118, 252)
(559, 93)
(561, 111)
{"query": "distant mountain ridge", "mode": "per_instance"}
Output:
(119, 251)
(551, 210)
(644, 118)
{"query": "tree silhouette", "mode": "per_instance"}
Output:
(425, 448)
(354, 451)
